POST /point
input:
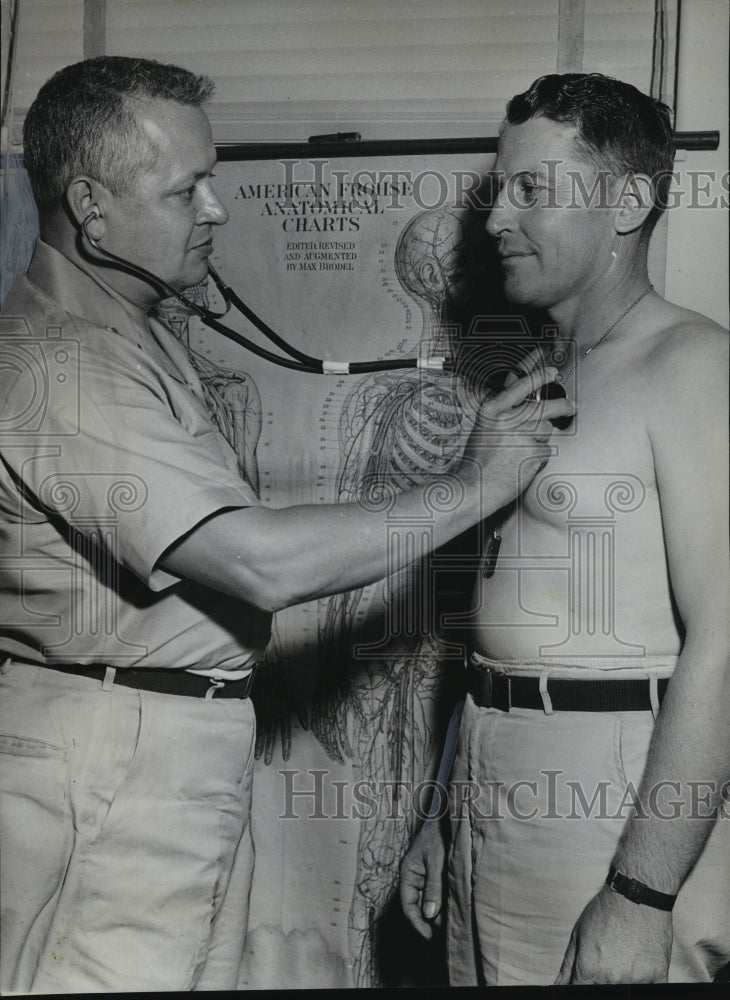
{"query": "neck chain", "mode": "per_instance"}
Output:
(495, 540)
(562, 379)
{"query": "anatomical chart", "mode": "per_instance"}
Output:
(348, 263)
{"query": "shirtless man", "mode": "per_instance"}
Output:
(594, 736)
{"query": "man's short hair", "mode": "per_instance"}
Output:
(83, 122)
(619, 128)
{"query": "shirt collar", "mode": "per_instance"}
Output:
(83, 293)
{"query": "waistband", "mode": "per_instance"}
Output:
(168, 681)
(582, 667)
(566, 686)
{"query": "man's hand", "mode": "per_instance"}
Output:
(617, 941)
(422, 874)
(509, 441)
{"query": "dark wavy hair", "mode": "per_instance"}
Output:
(83, 122)
(619, 128)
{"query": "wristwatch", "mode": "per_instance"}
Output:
(637, 892)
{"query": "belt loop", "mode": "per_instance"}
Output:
(215, 684)
(5, 664)
(547, 702)
(108, 683)
(654, 695)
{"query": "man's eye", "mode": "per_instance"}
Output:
(187, 194)
(526, 192)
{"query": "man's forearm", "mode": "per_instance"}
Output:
(687, 770)
(621, 940)
(274, 558)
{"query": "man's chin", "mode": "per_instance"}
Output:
(519, 292)
(194, 276)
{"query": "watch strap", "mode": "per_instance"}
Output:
(637, 892)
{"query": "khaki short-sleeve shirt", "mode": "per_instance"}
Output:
(107, 457)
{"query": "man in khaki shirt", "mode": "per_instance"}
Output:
(139, 572)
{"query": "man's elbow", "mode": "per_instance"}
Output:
(263, 587)
(270, 600)
(269, 590)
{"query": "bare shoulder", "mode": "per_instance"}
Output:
(682, 375)
(684, 343)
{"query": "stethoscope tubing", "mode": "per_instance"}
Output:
(297, 360)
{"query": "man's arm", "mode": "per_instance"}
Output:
(423, 868)
(274, 558)
(422, 877)
(615, 939)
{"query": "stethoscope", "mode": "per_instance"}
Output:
(297, 360)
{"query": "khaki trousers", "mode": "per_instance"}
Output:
(538, 805)
(124, 836)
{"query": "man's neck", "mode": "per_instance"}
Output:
(136, 297)
(588, 314)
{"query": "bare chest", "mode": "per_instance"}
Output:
(601, 467)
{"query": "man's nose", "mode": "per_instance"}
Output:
(212, 211)
(499, 217)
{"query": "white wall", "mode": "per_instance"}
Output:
(697, 244)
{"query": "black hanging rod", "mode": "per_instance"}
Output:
(345, 145)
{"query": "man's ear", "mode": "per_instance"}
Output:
(86, 199)
(632, 202)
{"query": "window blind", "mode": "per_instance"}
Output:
(635, 41)
(48, 36)
(286, 69)
(408, 68)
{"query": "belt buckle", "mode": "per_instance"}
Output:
(480, 685)
(489, 687)
(508, 689)
(248, 683)
(500, 691)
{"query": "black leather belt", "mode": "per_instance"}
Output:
(164, 681)
(505, 691)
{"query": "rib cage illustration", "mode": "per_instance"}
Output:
(381, 711)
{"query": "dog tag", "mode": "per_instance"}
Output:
(492, 553)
